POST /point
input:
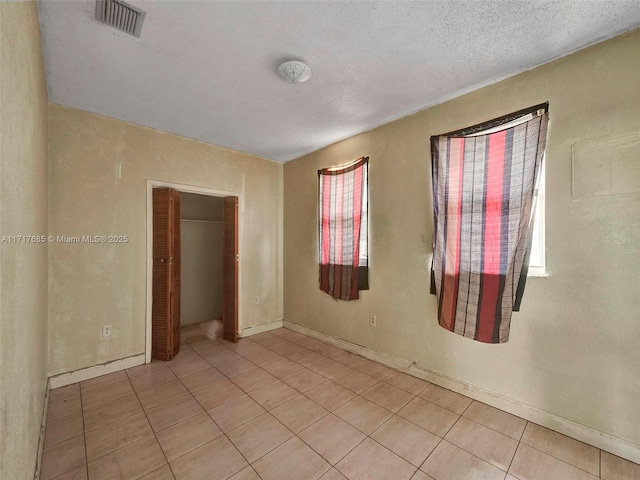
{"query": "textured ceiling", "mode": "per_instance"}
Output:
(207, 69)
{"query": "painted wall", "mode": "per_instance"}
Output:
(574, 349)
(23, 211)
(98, 172)
(201, 270)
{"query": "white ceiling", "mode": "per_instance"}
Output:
(207, 69)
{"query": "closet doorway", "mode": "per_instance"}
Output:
(192, 264)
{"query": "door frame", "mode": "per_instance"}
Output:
(182, 188)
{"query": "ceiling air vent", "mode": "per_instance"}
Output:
(120, 15)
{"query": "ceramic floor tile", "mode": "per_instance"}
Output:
(282, 368)
(487, 444)
(500, 421)
(303, 380)
(152, 379)
(264, 358)
(63, 429)
(253, 379)
(217, 394)
(387, 396)
(330, 395)
(222, 356)
(106, 393)
(406, 382)
(146, 368)
(374, 369)
(64, 392)
(616, 468)
(103, 380)
(78, 473)
(309, 342)
(371, 461)
(273, 394)
(131, 462)
(202, 379)
(236, 367)
(299, 413)
(64, 407)
(218, 456)
(332, 438)
(349, 359)
(328, 368)
(407, 440)
(235, 412)
(195, 336)
(419, 475)
(448, 462)
(259, 436)
(62, 458)
(366, 416)
(163, 473)
(116, 435)
(113, 411)
(355, 381)
(429, 416)
(211, 349)
(246, 349)
(187, 364)
(532, 464)
(333, 474)
(562, 447)
(446, 398)
(292, 460)
(307, 357)
(187, 435)
(328, 350)
(172, 412)
(247, 473)
(287, 349)
(155, 396)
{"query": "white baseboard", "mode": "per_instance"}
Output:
(64, 379)
(265, 327)
(43, 424)
(591, 436)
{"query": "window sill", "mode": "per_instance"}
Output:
(539, 272)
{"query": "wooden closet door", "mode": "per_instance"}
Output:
(165, 312)
(175, 274)
(230, 259)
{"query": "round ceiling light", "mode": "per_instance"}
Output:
(294, 71)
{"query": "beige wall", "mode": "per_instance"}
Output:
(201, 271)
(99, 168)
(574, 349)
(23, 211)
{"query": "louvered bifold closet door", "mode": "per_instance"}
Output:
(162, 325)
(230, 269)
(175, 274)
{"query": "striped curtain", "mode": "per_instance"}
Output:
(484, 190)
(341, 228)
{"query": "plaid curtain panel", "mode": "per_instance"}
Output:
(484, 190)
(340, 226)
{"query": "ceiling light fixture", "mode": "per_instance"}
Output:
(294, 71)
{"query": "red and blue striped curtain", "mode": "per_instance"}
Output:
(342, 228)
(484, 192)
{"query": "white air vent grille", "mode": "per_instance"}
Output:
(120, 15)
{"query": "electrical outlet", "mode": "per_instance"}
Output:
(373, 320)
(256, 300)
(106, 331)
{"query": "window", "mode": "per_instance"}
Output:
(343, 229)
(537, 258)
(485, 185)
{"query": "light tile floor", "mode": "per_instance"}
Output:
(284, 406)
